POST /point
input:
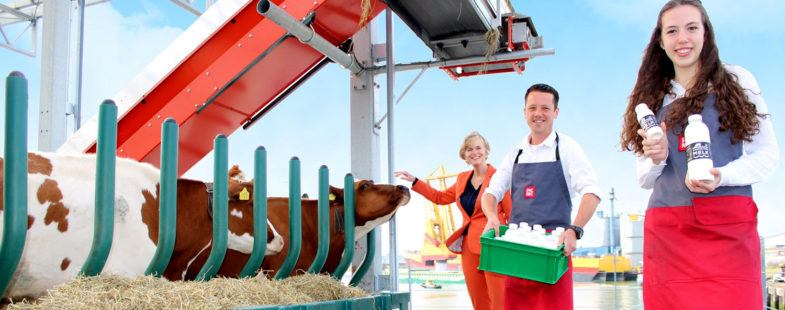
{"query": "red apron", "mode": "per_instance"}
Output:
(701, 251)
(523, 294)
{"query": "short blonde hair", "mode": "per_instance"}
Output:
(468, 140)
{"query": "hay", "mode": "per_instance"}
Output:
(492, 38)
(146, 292)
(366, 7)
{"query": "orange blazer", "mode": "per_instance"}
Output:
(475, 222)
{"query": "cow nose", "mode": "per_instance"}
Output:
(403, 188)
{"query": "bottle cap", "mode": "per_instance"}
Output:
(695, 118)
(642, 109)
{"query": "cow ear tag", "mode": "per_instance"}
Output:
(244, 194)
(332, 196)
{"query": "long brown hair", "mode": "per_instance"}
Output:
(736, 112)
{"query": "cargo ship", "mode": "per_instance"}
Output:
(602, 269)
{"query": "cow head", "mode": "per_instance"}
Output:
(374, 205)
(241, 217)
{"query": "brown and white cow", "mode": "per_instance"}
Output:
(61, 191)
(375, 204)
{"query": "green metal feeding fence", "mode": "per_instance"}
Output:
(15, 208)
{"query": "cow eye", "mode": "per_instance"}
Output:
(364, 186)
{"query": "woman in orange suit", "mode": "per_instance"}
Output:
(486, 289)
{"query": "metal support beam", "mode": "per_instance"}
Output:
(54, 76)
(469, 60)
(365, 158)
(390, 144)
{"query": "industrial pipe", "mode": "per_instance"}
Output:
(307, 36)
(470, 60)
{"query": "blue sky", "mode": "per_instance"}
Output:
(598, 45)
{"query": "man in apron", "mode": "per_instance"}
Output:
(543, 172)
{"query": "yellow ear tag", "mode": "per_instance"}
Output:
(244, 194)
(332, 196)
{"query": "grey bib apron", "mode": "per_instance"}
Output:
(540, 194)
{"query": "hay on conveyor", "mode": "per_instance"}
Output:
(146, 292)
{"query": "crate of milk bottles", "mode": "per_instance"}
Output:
(524, 252)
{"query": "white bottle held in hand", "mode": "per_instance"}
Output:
(698, 141)
(648, 121)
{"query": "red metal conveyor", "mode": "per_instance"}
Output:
(222, 72)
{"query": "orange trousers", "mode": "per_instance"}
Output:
(486, 289)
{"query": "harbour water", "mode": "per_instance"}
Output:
(587, 295)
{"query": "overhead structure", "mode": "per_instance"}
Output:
(225, 71)
(487, 33)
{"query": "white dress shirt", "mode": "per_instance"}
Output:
(578, 172)
(760, 157)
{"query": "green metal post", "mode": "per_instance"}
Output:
(106, 149)
(167, 199)
(324, 221)
(259, 214)
(348, 219)
(368, 261)
(295, 221)
(220, 210)
(15, 176)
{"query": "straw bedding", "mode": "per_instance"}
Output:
(146, 292)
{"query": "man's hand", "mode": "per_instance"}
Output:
(703, 187)
(656, 149)
(570, 241)
(493, 223)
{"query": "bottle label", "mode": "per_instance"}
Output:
(648, 122)
(698, 150)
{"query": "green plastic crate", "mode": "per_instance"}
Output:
(521, 260)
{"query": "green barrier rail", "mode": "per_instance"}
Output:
(220, 210)
(348, 218)
(368, 260)
(106, 151)
(15, 177)
(295, 221)
(259, 214)
(324, 221)
(167, 203)
(383, 301)
(15, 202)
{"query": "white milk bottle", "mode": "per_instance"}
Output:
(648, 121)
(698, 141)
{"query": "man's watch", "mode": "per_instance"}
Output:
(578, 231)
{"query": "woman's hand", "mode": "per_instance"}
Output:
(656, 149)
(703, 187)
(405, 175)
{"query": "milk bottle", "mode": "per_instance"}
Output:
(698, 141)
(648, 121)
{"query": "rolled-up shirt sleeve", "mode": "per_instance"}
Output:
(501, 180)
(580, 176)
(761, 155)
(648, 171)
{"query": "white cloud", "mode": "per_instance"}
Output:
(117, 48)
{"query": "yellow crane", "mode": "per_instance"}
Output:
(439, 225)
